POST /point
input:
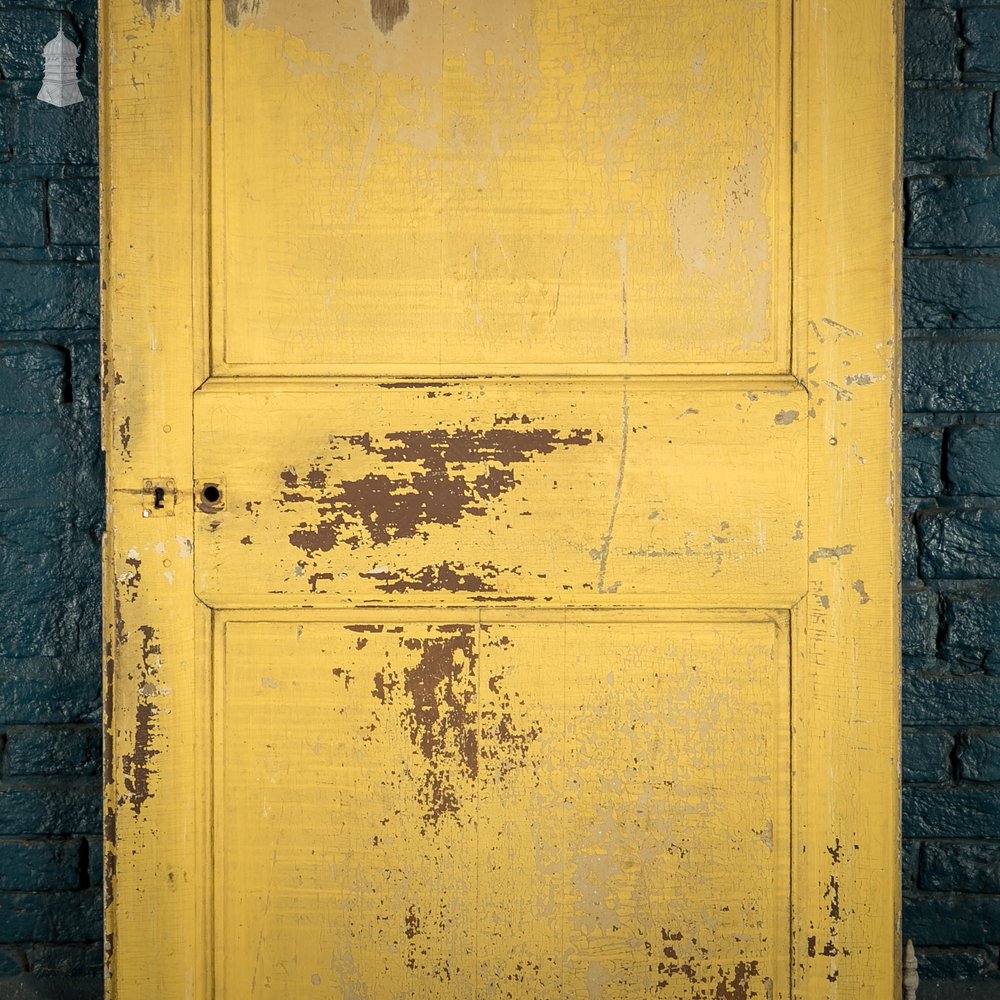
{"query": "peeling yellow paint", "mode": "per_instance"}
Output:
(726, 251)
(160, 9)
(373, 509)
(545, 122)
(525, 620)
(549, 820)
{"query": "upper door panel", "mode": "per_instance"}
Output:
(504, 187)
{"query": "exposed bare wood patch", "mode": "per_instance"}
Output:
(388, 13)
(137, 765)
(449, 576)
(434, 476)
(438, 702)
(681, 964)
(238, 10)
(159, 9)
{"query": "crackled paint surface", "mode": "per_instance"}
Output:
(539, 796)
(516, 615)
(538, 491)
(487, 169)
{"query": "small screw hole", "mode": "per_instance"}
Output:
(211, 494)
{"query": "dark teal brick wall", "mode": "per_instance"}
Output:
(951, 482)
(50, 516)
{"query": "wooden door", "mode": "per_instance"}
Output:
(501, 568)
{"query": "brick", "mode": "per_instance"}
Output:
(38, 750)
(921, 463)
(31, 987)
(95, 861)
(23, 33)
(956, 963)
(951, 375)
(908, 539)
(44, 135)
(65, 959)
(954, 212)
(85, 372)
(33, 580)
(89, 61)
(981, 29)
(951, 701)
(950, 293)
(36, 461)
(48, 295)
(950, 812)
(86, 615)
(972, 631)
(927, 755)
(73, 215)
(42, 689)
(946, 124)
(960, 544)
(931, 45)
(12, 960)
(920, 623)
(910, 864)
(952, 920)
(963, 866)
(8, 110)
(40, 864)
(22, 219)
(25, 49)
(978, 757)
(47, 577)
(32, 379)
(933, 4)
(54, 917)
(50, 809)
(973, 461)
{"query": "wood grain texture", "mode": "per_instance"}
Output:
(487, 827)
(154, 191)
(520, 618)
(845, 696)
(526, 185)
(352, 493)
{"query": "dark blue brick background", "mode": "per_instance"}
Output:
(51, 502)
(951, 455)
(50, 516)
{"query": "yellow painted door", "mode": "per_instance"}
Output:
(501, 567)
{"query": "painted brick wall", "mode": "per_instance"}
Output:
(50, 516)
(951, 609)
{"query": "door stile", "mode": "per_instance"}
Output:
(154, 200)
(845, 713)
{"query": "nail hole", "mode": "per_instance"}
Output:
(211, 494)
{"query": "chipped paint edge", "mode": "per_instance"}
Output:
(157, 912)
(846, 712)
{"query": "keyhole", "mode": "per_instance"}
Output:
(211, 493)
(158, 496)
